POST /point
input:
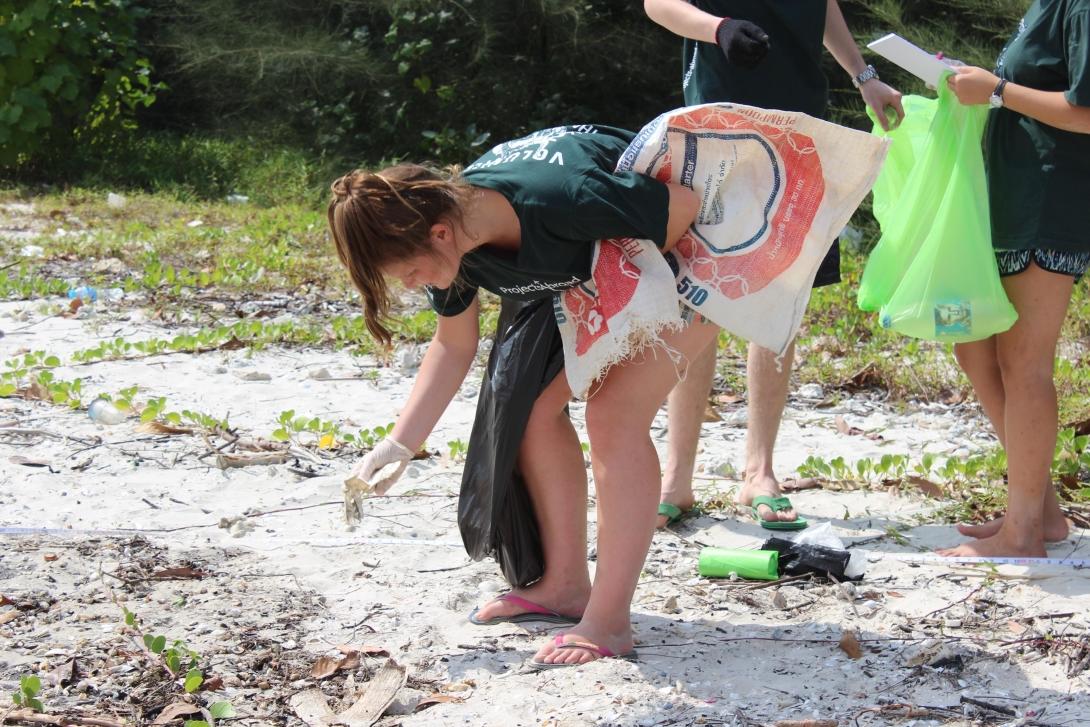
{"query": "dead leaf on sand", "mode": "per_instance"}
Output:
(363, 650)
(51, 557)
(36, 391)
(157, 427)
(711, 415)
(234, 344)
(9, 616)
(435, 699)
(867, 377)
(329, 665)
(843, 427)
(174, 711)
(184, 573)
(212, 685)
(66, 673)
(926, 486)
(952, 397)
(849, 644)
(804, 483)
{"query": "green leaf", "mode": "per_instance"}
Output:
(174, 663)
(148, 640)
(280, 435)
(193, 680)
(158, 644)
(195, 723)
(130, 618)
(222, 710)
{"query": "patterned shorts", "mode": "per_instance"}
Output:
(1074, 264)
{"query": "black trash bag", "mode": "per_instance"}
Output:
(495, 514)
(796, 559)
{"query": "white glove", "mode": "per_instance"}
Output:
(376, 472)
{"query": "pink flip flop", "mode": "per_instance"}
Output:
(601, 651)
(534, 612)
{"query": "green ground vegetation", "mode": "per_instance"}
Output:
(251, 275)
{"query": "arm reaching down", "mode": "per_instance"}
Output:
(442, 371)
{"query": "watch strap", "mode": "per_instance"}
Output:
(867, 74)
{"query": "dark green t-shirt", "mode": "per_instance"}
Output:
(563, 188)
(790, 76)
(1038, 175)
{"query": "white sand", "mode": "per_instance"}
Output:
(299, 583)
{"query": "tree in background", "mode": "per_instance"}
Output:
(302, 90)
(70, 72)
(374, 79)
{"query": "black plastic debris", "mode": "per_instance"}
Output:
(796, 559)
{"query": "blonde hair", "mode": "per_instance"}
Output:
(379, 218)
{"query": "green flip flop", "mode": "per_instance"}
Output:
(672, 513)
(777, 504)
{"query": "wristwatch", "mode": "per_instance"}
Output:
(996, 99)
(867, 74)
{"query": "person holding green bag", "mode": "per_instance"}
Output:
(1038, 163)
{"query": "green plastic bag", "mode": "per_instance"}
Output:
(933, 273)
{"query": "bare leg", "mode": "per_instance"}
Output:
(552, 464)
(768, 385)
(685, 413)
(980, 362)
(1026, 355)
(626, 468)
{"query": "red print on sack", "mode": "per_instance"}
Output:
(615, 278)
(792, 213)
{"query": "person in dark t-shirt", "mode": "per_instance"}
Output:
(1037, 153)
(723, 60)
(521, 221)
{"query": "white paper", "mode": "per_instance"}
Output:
(913, 59)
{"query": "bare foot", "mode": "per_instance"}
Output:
(681, 500)
(567, 604)
(763, 485)
(596, 640)
(1055, 530)
(998, 546)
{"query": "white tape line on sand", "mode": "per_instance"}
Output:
(329, 543)
(874, 555)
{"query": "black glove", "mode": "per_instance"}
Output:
(742, 42)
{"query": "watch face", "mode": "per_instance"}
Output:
(996, 102)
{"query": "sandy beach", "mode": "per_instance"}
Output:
(263, 578)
